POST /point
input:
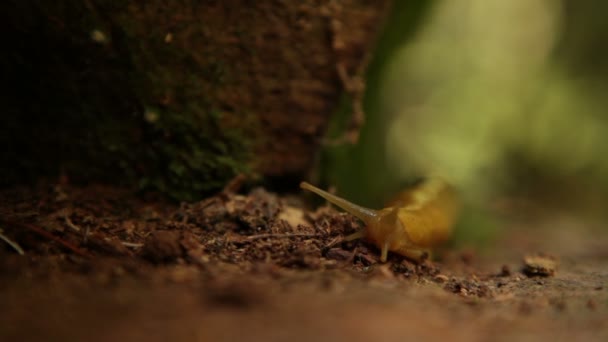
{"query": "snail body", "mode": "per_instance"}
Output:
(415, 221)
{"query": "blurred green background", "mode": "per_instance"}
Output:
(504, 98)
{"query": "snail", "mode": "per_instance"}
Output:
(418, 219)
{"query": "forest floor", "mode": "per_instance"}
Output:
(100, 264)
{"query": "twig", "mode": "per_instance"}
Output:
(132, 244)
(70, 224)
(335, 241)
(85, 234)
(49, 236)
(11, 243)
(279, 235)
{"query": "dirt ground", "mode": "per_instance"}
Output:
(100, 264)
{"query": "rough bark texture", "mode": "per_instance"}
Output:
(291, 78)
(179, 97)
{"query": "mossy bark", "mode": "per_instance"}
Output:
(178, 96)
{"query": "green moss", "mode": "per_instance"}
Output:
(192, 154)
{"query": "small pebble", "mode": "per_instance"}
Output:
(539, 265)
(441, 278)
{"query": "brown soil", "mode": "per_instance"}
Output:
(100, 264)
